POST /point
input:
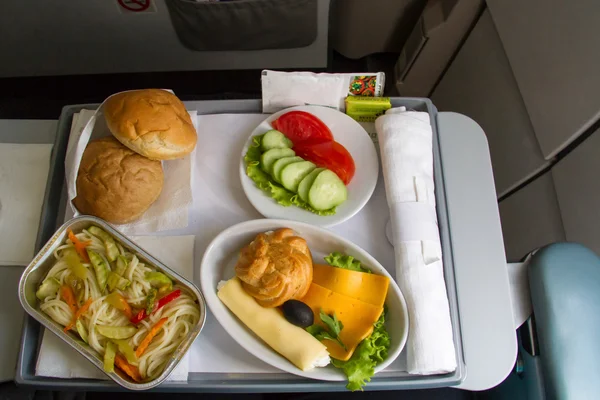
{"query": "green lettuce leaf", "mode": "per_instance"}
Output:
(346, 262)
(266, 183)
(370, 352)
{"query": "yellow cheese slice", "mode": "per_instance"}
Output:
(292, 342)
(357, 317)
(369, 288)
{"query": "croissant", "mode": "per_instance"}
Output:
(275, 267)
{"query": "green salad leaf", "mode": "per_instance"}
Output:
(266, 183)
(370, 352)
(339, 260)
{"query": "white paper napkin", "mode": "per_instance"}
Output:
(11, 314)
(23, 175)
(405, 141)
(58, 360)
(169, 211)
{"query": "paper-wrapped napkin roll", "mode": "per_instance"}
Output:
(406, 143)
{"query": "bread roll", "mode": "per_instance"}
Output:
(115, 183)
(275, 267)
(151, 122)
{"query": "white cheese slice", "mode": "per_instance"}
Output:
(291, 341)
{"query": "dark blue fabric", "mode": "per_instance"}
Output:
(565, 291)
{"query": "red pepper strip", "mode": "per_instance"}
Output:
(137, 318)
(160, 303)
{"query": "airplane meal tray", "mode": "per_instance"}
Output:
(53, 213)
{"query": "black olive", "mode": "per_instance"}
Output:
(298, 313)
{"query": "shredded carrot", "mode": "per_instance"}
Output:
(129, 369)
(148, 339)
(80, 246)
(78, 314)
(69, 297)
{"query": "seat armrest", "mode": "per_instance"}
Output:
(565, 292)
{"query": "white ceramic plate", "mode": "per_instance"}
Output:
(218, 264)
(354, 138)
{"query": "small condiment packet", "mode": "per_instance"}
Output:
(288, 89)
(169, 211)
(365, 108)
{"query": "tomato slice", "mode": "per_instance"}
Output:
(330, 155)
(300, 126)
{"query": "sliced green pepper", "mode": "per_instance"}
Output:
(163, 290)
(74, 263)
(127, 351)
(78, 287)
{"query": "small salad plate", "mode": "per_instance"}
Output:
(346, 132)
(218, 264)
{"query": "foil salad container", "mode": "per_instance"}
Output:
(38, 268)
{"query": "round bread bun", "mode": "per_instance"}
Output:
(151, 122)
(115, 183)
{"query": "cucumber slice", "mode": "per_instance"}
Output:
(109, 243)
(158, 279)
(49, 287)
(102, 270)
(117, 281)
(293, 173)
(81, 330)
(280, 164)
(268, 158)
(275, 140)
(307, 182)
(327, 191)
(122, 264)
(109, 357)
